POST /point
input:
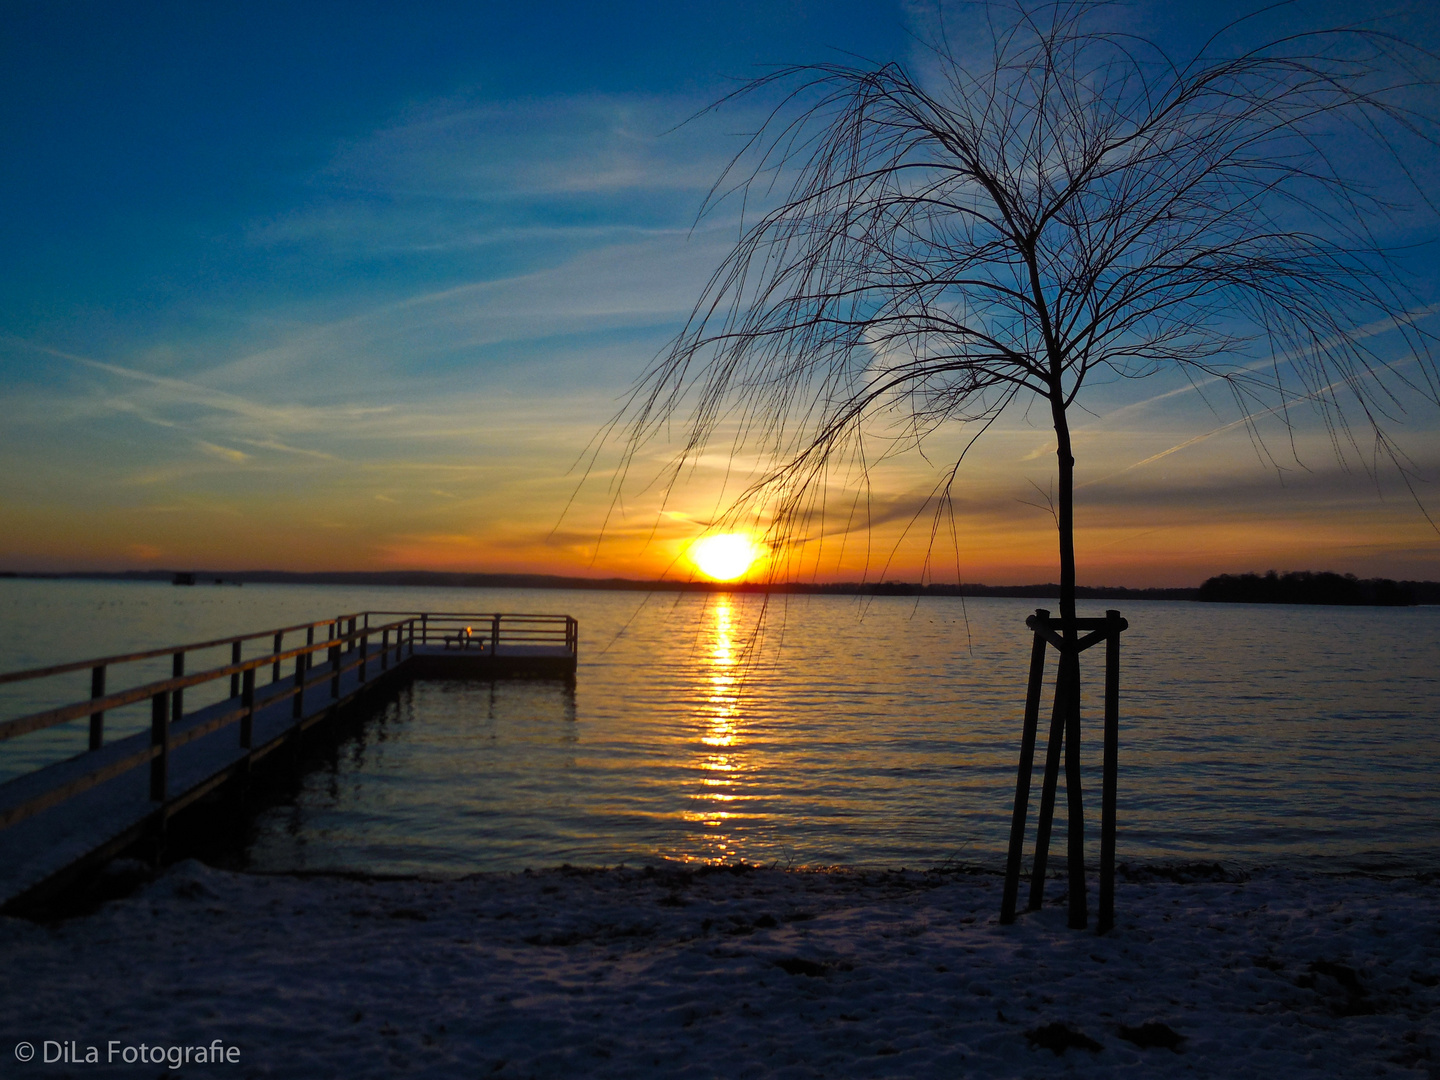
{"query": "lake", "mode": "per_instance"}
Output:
(810, 731)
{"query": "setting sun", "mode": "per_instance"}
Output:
(725, 557)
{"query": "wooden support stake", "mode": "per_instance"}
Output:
(1075, 856)
(1023, 773)
(1065, 726)
(1047, 792)
(1111, 773)
(160, 737)
(97, 719)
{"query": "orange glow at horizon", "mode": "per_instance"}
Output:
(998, 541)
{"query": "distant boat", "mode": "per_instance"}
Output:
(183, 579)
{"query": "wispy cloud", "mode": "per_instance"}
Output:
(535, 148)
(457, 175)
(224, 453)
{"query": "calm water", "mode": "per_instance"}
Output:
(814, 731)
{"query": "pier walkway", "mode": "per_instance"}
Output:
(64, 819)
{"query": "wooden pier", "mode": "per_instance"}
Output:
(60, 822)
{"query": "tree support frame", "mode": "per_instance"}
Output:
(1066, 637)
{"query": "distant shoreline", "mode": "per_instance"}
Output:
(1303, 587)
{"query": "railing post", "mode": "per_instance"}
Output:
(275, 671)
(247, 699)
(335, 671)
(352, 636)
(1039, 622)
(385, 650)
(97, 719)
(495, 634)
(364, 647)
(160, 738)
(424, 632)
(1110, 775)
(297, 708)
(177, 698)
(235, 659)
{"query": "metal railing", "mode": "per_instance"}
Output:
(487, 633)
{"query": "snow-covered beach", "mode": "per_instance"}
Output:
(730, 973)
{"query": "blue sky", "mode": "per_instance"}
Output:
(352, 285)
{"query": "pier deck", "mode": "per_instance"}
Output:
(62, 820)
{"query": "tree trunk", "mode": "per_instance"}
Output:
(1067, 683)
(1065, 512)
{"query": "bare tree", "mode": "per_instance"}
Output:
(1077, 202)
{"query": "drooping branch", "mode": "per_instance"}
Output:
(1083, 201)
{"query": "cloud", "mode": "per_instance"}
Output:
(225, 453)
(535, 149)
(461, 176)
(198, 399)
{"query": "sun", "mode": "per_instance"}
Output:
(725, 557)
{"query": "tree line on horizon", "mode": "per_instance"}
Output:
(1310, 587)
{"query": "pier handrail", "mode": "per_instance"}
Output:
(150, 654)
(89, 706)
(166, 695)
(531, 629)
(167, 686)
(514, 628)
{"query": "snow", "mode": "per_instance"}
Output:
(717, 972)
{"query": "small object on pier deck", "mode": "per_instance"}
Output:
(463, 638)
(1065, 736)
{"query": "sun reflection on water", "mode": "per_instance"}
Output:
(720, 760)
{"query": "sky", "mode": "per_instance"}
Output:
(343, 286)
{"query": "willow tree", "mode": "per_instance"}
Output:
(931, 247)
